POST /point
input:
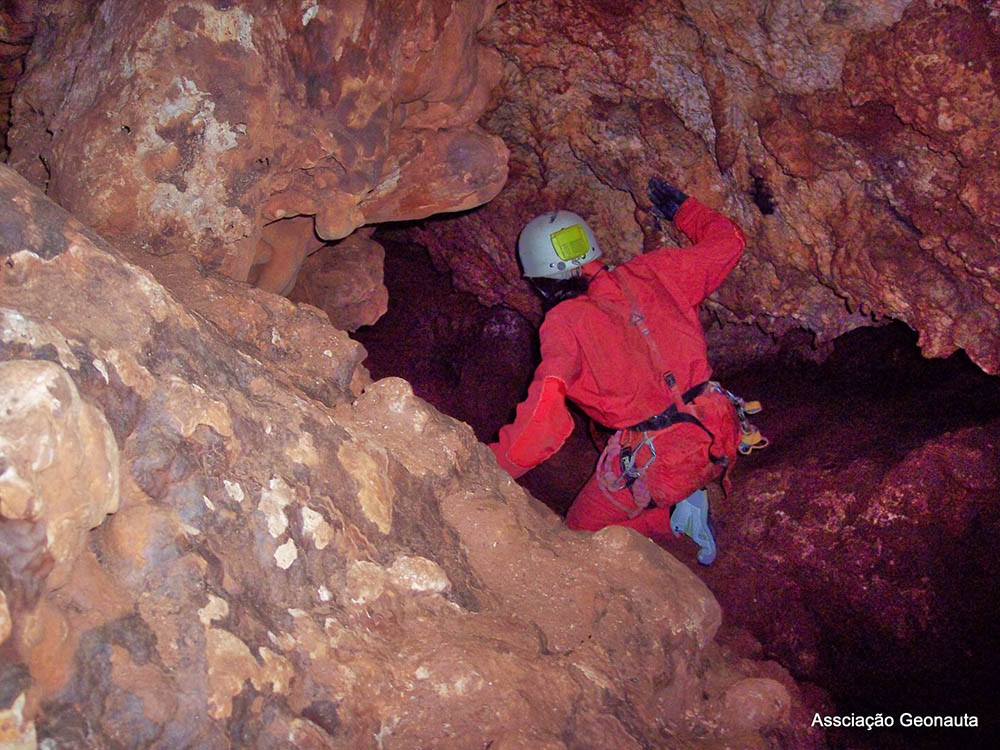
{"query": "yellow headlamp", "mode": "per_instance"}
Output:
(570, 243)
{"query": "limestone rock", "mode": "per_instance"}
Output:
(853, 142)
(16, 732)
(16, 29)
(59, 457)
(755, 703)
(896, 559)
(345, 571)
(190, 125)
(345, 281)
(868, 524)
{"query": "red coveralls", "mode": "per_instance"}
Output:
(594, 356)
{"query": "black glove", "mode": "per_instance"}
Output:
(666, 199)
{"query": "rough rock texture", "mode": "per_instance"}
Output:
(16, 30)
(854, 143)
(345, 281)
(871, 524)
(288, 569)
(897, 557)
(60, 460)
(191, 125)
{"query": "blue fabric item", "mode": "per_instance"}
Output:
(690, 517)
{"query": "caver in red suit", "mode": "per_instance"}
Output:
(593, 355)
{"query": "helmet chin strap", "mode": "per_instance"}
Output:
(547, 285)
(554, 291)
(546, 290)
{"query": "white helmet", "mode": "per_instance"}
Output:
(555, 244)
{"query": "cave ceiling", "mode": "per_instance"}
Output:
(196, 126)
(853, 142)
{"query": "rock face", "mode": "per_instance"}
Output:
(888, 559)
(868, 524)
(295, 566)
(16, 30)
(60, 460)
(193, 125)
(853, 142)
(345, 280)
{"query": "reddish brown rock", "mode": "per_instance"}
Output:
(190, 125)
(284, 245)
(17, 25)
(60, 459)
(853, 142)
(345, 281)
(856, 547)
(881, 575)
(353, 572)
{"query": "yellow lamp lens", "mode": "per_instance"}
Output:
(570, 243)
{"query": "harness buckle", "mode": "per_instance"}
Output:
(627, 460)
(628, 475)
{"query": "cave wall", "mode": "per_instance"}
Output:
(853, 142)
(17, 28)
(192, 125)
(867, 524)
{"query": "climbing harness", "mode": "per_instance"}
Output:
(681, 410)
(750, 437)
(617, 470)
(618, 467)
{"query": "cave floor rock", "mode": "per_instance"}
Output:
(859, 547)
(202, 547)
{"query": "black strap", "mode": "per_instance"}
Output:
(670, 415)
(693, 392)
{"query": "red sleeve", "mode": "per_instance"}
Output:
(698, 270)
(543, 421)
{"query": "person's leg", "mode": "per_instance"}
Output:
(653, 522)
(682, 464)
(677, 476)
(677, 481)
(592, 510)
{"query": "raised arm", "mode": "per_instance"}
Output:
(718, 243)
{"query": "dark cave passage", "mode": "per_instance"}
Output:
(857, 550)
(468, 360)
(874, 575)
